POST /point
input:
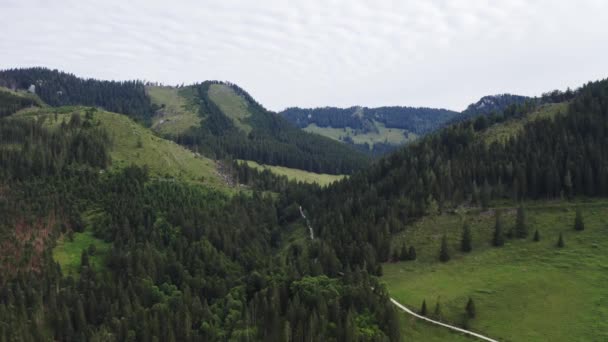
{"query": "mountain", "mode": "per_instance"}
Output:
(13, 101)
(373, 130)
(545, 151)
(111, 231)
(219, 120)
(57, 88)
(491, 104)
(107, 229)
(530, 169)
(233, 124)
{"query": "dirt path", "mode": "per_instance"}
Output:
(466, 332)
(312, 232)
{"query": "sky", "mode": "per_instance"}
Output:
(315, 53)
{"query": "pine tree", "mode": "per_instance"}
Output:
(568, 184)
(444, 253)
(412, 253)
(521, 228)
(437, 312)
(486, 193)
(395, 256)
(560, 241)
(536, 236)
(423, 308)
(466, 244)
(470, 308)
(579, 223)
(404, 254)
(498, 238)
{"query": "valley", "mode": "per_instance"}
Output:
(198, 207)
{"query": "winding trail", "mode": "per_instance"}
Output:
(432, 321)
(404, 308)
(312, 233)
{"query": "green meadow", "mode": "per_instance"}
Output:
(296, 174)
(178, 113)
(68, 252)
(523, 291)
(135, 144)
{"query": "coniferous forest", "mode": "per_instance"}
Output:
(190, 263)
(58, 88)
(185, 262)
(303, 171)
(272, 141)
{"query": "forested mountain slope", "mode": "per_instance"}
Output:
(58, 88)
(491, 104)
(216, 119)
(560, 155)
(375, 130)
(132, 144)
(234, 124)
(144, 257)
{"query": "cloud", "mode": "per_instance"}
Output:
(438, 53)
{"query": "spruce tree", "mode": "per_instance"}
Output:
(437, 312)
(466, 244)
(404, 254)
(498, 239)
(536, 236)
(423, 308)
(521, 228)
(470, 308)
(444, 253)
(560, 241)
(395, 256)
(579, 223)
(412, 253)
(486, 193)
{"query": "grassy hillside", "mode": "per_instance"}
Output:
(503, 131)
(297, 175)
(23, 94)
(524, 291)
(413, 329)
(135, 144)
(178, 110)
(231, 104)
(392, 136)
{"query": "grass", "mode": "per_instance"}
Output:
(67, 253)
(231, 104)
(505, 130)
(135, 144)
(393, 136)
(524, 291)
(24, 93)
(413, 329)
(178, 115)
(296, 174)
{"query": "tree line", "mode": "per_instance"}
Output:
(58, 88)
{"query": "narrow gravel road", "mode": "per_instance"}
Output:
(467, 332)
(402, 307)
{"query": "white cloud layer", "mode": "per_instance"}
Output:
(437, 53)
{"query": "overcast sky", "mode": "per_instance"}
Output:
(434, 53)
